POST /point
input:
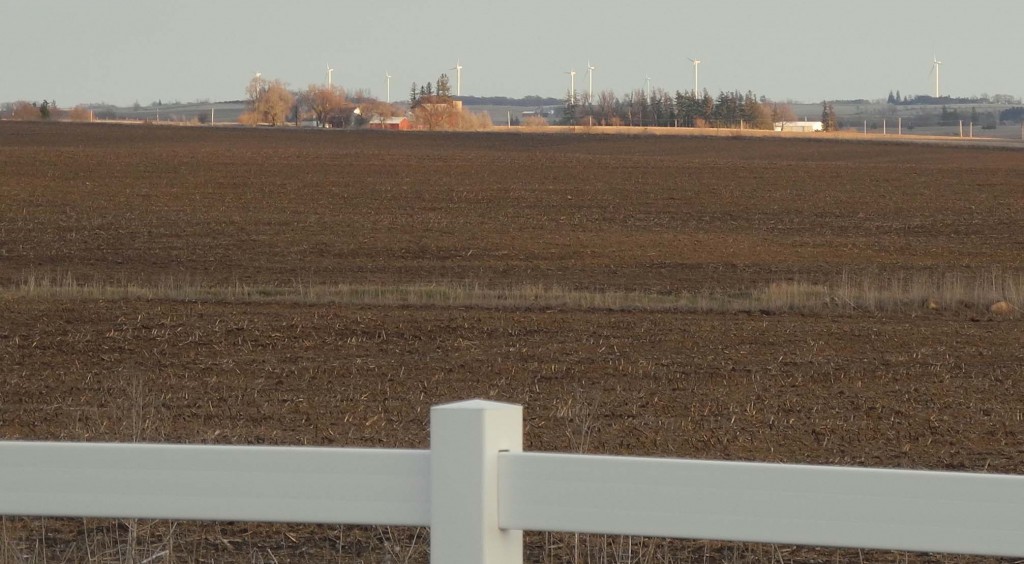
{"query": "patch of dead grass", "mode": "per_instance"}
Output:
(996, 293)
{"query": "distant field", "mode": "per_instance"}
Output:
(222, 112)
(805, 300)
(917, 120)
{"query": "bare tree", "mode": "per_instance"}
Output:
(26, 111)
(255, 89)
(433, 112)
(605, 108)
(269, 102)
(276, 103)
(324, 102)
(782, 112)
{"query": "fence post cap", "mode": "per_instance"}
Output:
(477, 404)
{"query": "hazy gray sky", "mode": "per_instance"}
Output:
(122, 51)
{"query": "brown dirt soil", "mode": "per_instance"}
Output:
(661, 214)
(134, 204)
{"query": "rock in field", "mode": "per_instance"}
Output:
(1002, 308)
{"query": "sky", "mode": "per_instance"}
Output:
(127, 51)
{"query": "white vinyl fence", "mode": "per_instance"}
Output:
(478, 491)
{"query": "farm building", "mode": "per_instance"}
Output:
(399, 123)
(799, 126)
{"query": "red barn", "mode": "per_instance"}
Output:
(400, 123)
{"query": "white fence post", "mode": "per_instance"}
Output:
(465, 439)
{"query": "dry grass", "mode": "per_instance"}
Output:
(846, 135)
(895, 293)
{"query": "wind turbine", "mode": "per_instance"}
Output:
(572, 85)
(696, 84)
(648, 88)
(458, 77)
(387, 76)
(590, 78)
(935, 69)
(330, 72)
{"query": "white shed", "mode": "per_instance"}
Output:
(799, 126)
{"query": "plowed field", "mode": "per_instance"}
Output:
(144, 207)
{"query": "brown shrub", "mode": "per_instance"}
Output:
(248, 118)
(534, 122)
(79, 113)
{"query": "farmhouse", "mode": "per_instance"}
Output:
(799, 126)
(398, 123)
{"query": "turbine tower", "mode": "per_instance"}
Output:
(648, 88)
(458, 77)
(330, 73)
(935, 69)
(387, 77)
(696, 83)
(590, 78)
(572, 85)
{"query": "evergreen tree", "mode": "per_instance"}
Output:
(672, 117)
(707, 107)
(643, 112)
(413, 95)
(899, 99)
(443, 88)
(892, 98)
(828, 117)
(430, 89)
(657, 111)
(949, 116)
(688, 108)
(751, 112)
(44, 110)
(571, 111)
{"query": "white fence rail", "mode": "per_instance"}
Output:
(478, 492)
(774, 503)
(217, 483)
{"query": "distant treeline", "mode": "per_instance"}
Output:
(660, 108)
(926, 100)
(1013, 115)
(526, 102)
